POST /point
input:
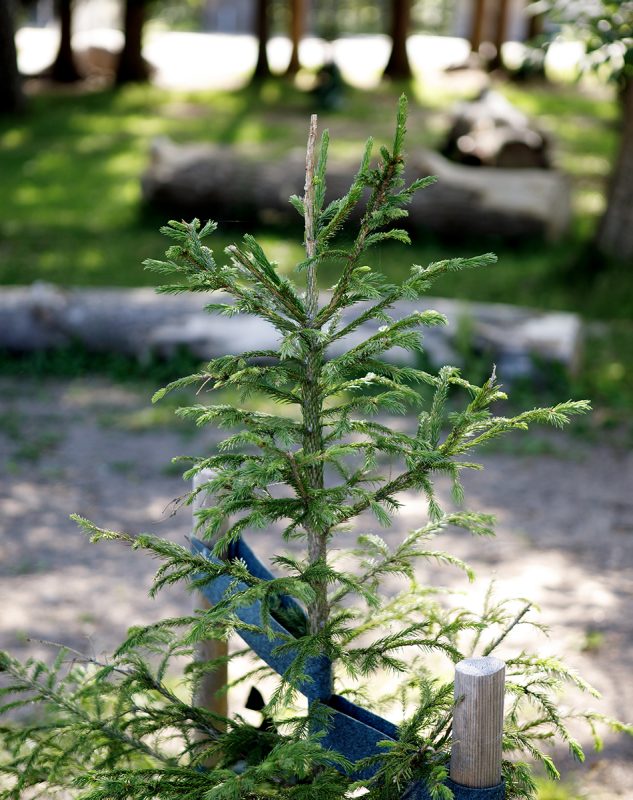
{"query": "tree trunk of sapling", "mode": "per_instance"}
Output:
(312, 401)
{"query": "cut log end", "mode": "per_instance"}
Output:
(480, 666)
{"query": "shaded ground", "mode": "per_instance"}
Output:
(565, 535)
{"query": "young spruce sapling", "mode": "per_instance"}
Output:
(322, 463)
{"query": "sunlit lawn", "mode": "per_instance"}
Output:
(71, 213)
(71, 208)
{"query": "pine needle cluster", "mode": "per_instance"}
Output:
(119, 729)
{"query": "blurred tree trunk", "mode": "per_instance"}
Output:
(262, 32)
(297, 23)
(535, 26)
(11, 96)
(64, 69)
(398, 65)
(500, 32)
(132, 67)
(477, 24)
(615, 233)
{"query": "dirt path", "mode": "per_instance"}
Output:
(565, 536)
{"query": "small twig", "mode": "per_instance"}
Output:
(297, 476)
(507, 630)
(251, 267)
(203, 384)
(80, 657)
(177, 503)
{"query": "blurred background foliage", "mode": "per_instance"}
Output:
(71, 211)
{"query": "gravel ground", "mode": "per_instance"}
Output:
(564, 537)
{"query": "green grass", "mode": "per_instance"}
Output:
(71, 211)
(548, 790)
(74, 361)
(28, 443)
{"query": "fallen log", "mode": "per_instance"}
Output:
(220, 182)
(142, 324)
(491, 132)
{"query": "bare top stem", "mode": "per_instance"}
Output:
(312, 400)
(308, 204)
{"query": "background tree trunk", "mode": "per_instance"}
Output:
(11, 97)
(500, 30)
(132, 67)
(477, 24)
(262, 32)
(297, 23)
(535, 26)
(398, 65)
(64, 68)
(615, 233)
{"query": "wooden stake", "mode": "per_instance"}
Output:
(478, 722)
(211, 693)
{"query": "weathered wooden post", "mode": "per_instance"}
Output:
(478, 722)
(211, 693)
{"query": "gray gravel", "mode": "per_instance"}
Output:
(564, 537)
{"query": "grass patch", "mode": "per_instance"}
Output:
(152, 417)
(74, 361)
(603, 378)
(71, 206)
(30, 441)
(32, 449)
(10, 425)
(548, 790)
(71, 211)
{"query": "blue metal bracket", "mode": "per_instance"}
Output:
(352, 731)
